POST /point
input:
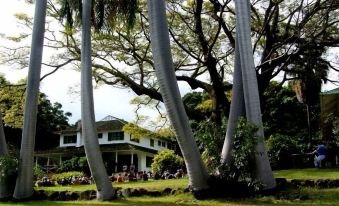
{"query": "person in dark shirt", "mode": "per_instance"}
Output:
(320, 152)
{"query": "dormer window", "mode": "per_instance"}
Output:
(99, 135)
(151, 142)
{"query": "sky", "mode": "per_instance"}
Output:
(107, 100)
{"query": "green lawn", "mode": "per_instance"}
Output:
(310, 173)
(314, 196)
(149, 185)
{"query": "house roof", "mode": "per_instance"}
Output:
(333, 91)
(104, 125)
(71, 151)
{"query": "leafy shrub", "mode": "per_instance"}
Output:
(166, 160)
(39, 172)
(75, 164)
(66, 175)
(8, 166)
(242, 167)
(67, 178)
(280, 148)
(8, 171)
(210, 138)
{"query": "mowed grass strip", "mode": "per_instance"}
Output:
(309, 173)
(148, 185)
(316, 197)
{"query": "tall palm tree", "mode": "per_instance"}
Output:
(24, 182)
(3, 144)
(237, 109)
(198, 175)
(251, 95)
(89, 133)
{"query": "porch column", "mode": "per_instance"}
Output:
(36, 162)
(116, 162)
(60, 160)
(132, 162)
(47, 166)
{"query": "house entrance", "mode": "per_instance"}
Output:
(127, 160)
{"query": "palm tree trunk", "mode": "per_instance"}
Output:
(3, 144)
(4, 188)
(251, 95)
(24, 182)
(198, 175)
(237, 109)
(89, 133)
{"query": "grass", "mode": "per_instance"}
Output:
(315, 196)
(149, 185)
(309, 173)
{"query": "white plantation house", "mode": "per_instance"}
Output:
(118, 148)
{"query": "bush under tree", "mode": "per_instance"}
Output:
(166, 160)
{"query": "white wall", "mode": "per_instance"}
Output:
(143, 142)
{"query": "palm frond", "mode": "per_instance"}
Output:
(106, 14)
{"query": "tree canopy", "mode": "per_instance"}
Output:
(291, 39)
(51, 117)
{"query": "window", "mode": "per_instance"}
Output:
(114, 136)
(133, 139)
(70, 139)
(159, 143)
(99, 135)
(163, 144)
(149, 161)
(151, 142)
(169, 146)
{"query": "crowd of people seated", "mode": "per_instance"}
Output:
(74, 180)
(130, 175)
(126, 176)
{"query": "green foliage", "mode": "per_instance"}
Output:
(283, 113)
(106, 14)
(242, 166)
(8, 168)
(136, 131)
(197, 105)
(210, 139)
(75, 164)
(66, 175)
(331, 129)
(166, 160)
(39, 172)
(51, 117)
(280, 148)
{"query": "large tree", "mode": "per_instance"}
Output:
(24, 184)
(50, 117)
